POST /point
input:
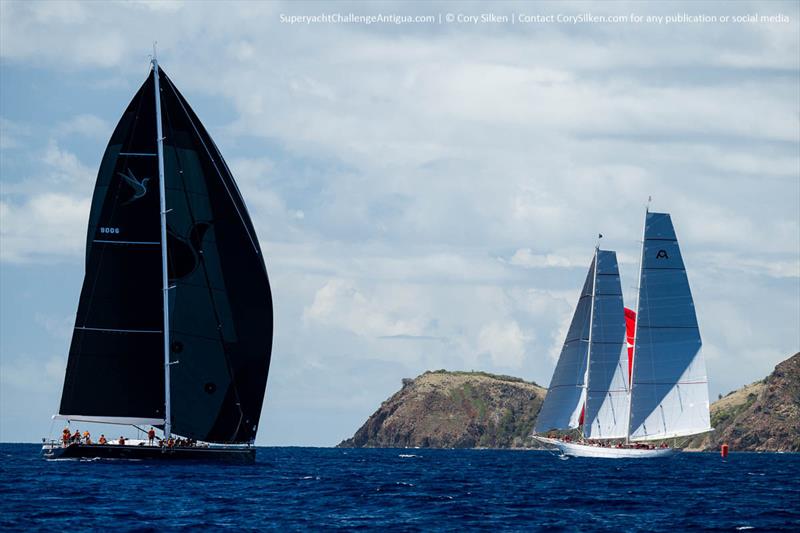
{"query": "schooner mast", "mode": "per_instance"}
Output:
(636, 324)
(589, 344)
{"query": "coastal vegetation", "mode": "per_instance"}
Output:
(443, 409)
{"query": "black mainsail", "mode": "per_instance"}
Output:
(219, 305)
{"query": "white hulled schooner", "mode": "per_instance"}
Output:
(624, 400)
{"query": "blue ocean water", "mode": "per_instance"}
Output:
(409, 490)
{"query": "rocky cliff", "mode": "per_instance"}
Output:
(474, 409)
(454, 410)
(762, 416)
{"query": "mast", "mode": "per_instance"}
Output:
(636, 327)
(164, 272)
(591, 327)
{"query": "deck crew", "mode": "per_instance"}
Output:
(102, 439)
(87, 437)
(121, 441)
(65, 436)
(151, 435)
(76, 437)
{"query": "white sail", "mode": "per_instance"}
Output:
(669, 397)
(566, 395)
(606, 415)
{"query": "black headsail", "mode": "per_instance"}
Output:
(116, 363)
(220, 304)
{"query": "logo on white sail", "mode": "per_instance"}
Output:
(139, 187)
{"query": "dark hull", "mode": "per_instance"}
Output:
(116, 451)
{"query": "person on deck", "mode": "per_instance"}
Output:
(121, 441)
(102, 439)
(65, 436)
(77, 437)
(87, 437)
(151, 435)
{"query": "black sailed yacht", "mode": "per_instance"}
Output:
(174, 323)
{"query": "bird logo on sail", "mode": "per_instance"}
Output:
(139, 187)
(662, 254)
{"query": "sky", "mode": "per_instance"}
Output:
(427, 193)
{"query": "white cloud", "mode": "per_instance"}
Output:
(26, 374)
(11, 134)
(341, 304)
(505, 342)
(44, 217)
(525, 257)
(46, 227)
(87, 124)
(59, 327)
(65, 167)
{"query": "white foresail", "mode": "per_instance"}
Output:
(669, 397)
(565, 396)
(607, 396)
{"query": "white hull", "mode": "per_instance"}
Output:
(573, 449)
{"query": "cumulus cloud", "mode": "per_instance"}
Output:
(504, 342)
(341, 304)
(44, 227)
(87, 124)
(525, 257)
(43, 217)
(11, 134)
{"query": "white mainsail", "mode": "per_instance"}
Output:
(669, 395)
(566, 395)
(607, 384)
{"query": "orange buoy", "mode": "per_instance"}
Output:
(723, 451)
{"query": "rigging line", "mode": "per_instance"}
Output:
(104, 241)
(213, 162)
(118, 330)
(202, 260)
(702, 382)
(671, 327)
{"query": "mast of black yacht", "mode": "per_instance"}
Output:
(164, 271)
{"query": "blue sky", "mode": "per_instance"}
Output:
(427, 195)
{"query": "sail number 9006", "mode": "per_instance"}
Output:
(109, 230)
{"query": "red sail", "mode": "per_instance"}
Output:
(630, 332)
